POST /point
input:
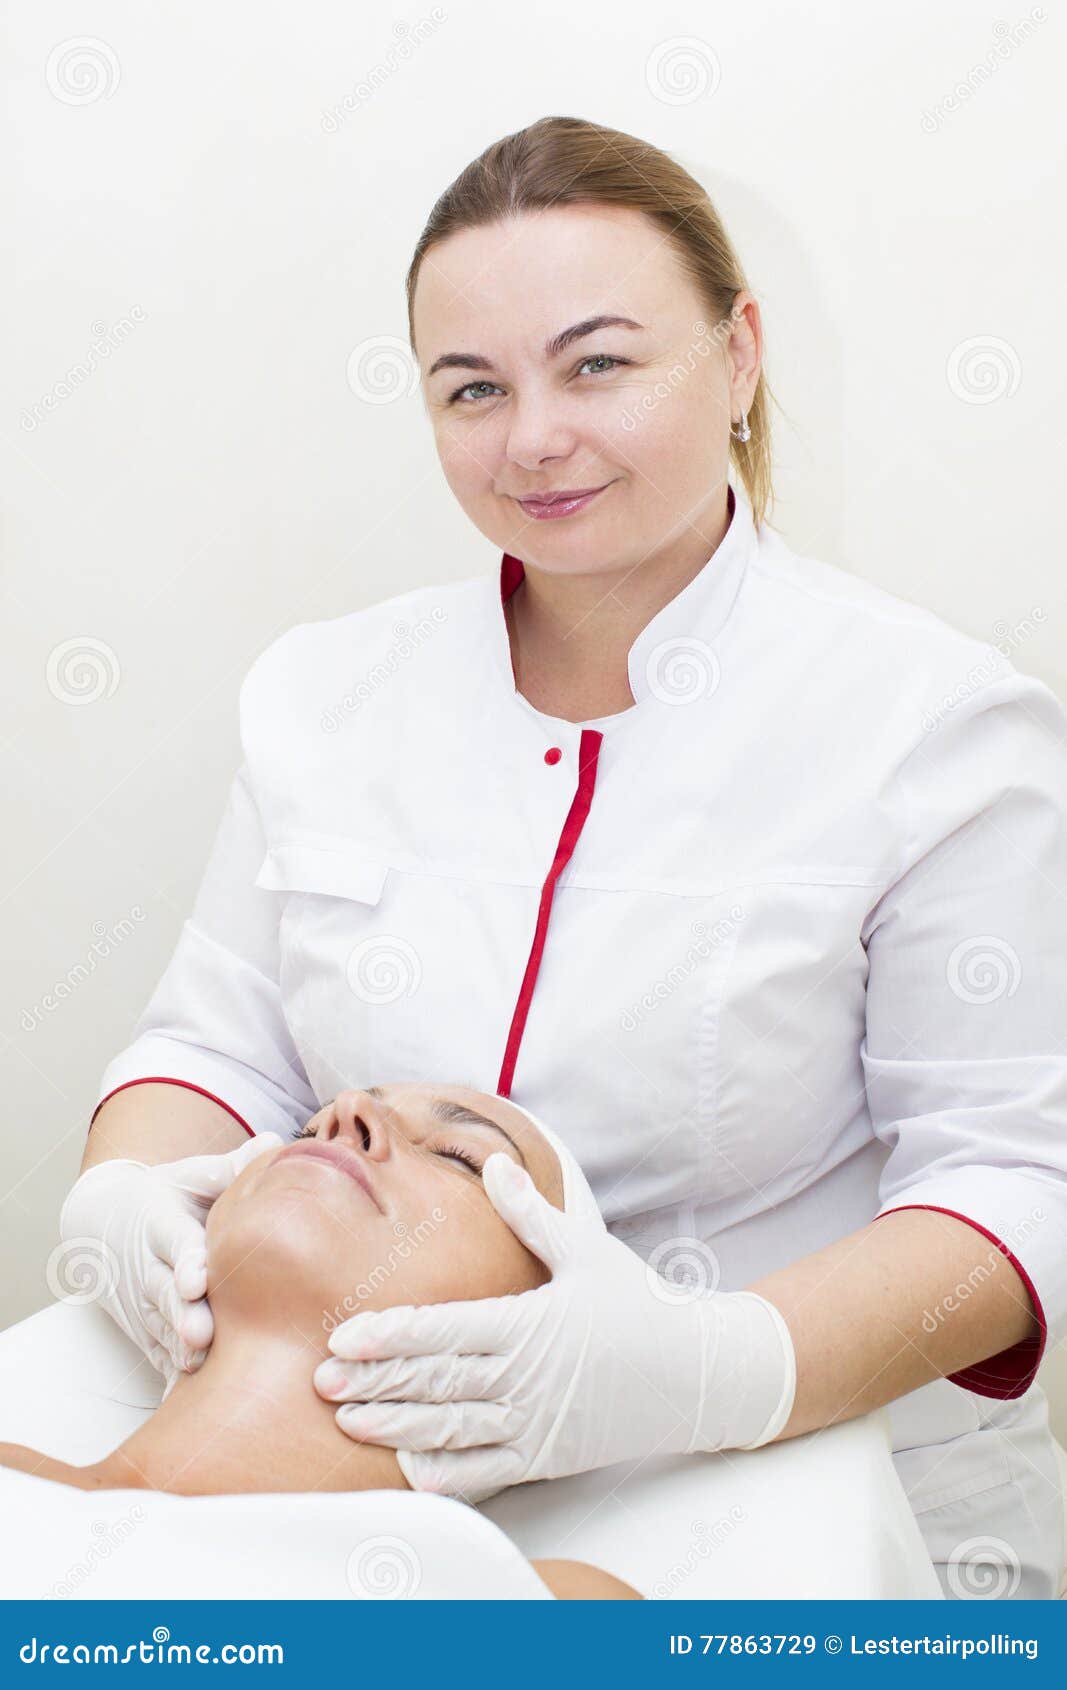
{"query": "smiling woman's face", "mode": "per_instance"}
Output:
(640, 407)
(379, 1202)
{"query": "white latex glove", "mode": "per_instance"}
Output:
(135, 1234)
(606, 1362)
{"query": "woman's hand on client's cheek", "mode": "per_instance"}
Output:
(607, 1362)
(492, 1371)
(147, 1222)
(434, 1355)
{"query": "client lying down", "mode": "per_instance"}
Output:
(301, 1226)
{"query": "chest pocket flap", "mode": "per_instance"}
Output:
(331, 870)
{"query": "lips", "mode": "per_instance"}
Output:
(339, 1156)
(557, 498)
(547, 506)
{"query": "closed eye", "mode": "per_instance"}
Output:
(454, 1151)
(451, 1152)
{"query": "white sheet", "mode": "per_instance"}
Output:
(823, 1516)
(62, 1543)
(819, 1516)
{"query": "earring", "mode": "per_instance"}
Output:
(742, 432)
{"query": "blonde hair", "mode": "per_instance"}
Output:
(569, 161)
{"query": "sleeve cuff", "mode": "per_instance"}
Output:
(1011, 1372)
(257, 1104)
(169, 1080)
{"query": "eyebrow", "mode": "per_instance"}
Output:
(559, 343)
(445, 1109)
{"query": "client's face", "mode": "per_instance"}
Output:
(378, 1202)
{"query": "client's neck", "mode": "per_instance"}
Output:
(249, 1420)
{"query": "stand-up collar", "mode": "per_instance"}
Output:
(693, 617)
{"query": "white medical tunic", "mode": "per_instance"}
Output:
(778, 949)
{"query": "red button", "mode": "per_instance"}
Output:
(553, 755)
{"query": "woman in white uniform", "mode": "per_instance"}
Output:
(745, 875)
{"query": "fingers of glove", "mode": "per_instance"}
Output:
(480, 1326)
(451, 1425)
(542, 1227)
(190, 1271)
(159, 1328)
(175, 1236)
(129, 1323)
(444, 1378)
(206, 1177)
(239, 1159)
(153, 1336)
(194, 1324)
(470, 1475)
(166, 1344)
(96, 1196)
(180, 1358)
(191, 1322)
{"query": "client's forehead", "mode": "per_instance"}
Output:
(541, 1160)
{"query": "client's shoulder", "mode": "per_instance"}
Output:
(23, 1460)
(578, 1581)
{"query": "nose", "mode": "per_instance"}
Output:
(539, 434)
(359, 1121)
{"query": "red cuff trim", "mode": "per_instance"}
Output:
(1011, 1372)
(168, 1080)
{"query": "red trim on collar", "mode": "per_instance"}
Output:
(1011, 1372)
(588, 752)
(513, 570)
(168, 1080)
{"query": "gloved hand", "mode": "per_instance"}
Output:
(606, 1362)
(143, 1231)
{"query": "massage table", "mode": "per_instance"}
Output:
(821, 1516)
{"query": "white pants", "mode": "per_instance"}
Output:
(988, 1501)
